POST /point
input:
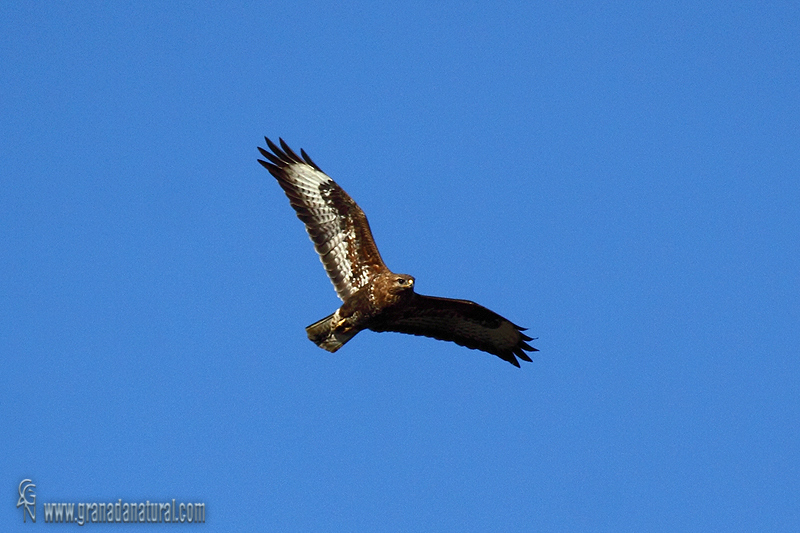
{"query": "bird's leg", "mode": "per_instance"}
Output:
(339, 323)
(347, 317)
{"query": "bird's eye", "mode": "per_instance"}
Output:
(401, 281)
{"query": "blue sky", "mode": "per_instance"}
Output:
(620, 178)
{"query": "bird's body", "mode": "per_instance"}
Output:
(367, 308)
(374, 297)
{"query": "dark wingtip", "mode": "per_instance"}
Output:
(522, 355)
(274, 170)
(308, 160)
(289, 152)
(275, 150)
(523, 347)
(280, 155)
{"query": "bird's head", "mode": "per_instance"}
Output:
(402, 283)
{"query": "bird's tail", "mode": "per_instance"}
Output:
(324, 336)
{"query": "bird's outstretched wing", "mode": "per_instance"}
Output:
(337, 226)
(460, 321)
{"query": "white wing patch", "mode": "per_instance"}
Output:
(330, 234)
(337, 226)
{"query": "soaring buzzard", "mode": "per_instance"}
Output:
(375, 297)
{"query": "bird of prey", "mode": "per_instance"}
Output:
(374, 297)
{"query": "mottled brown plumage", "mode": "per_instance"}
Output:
(374, 297)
